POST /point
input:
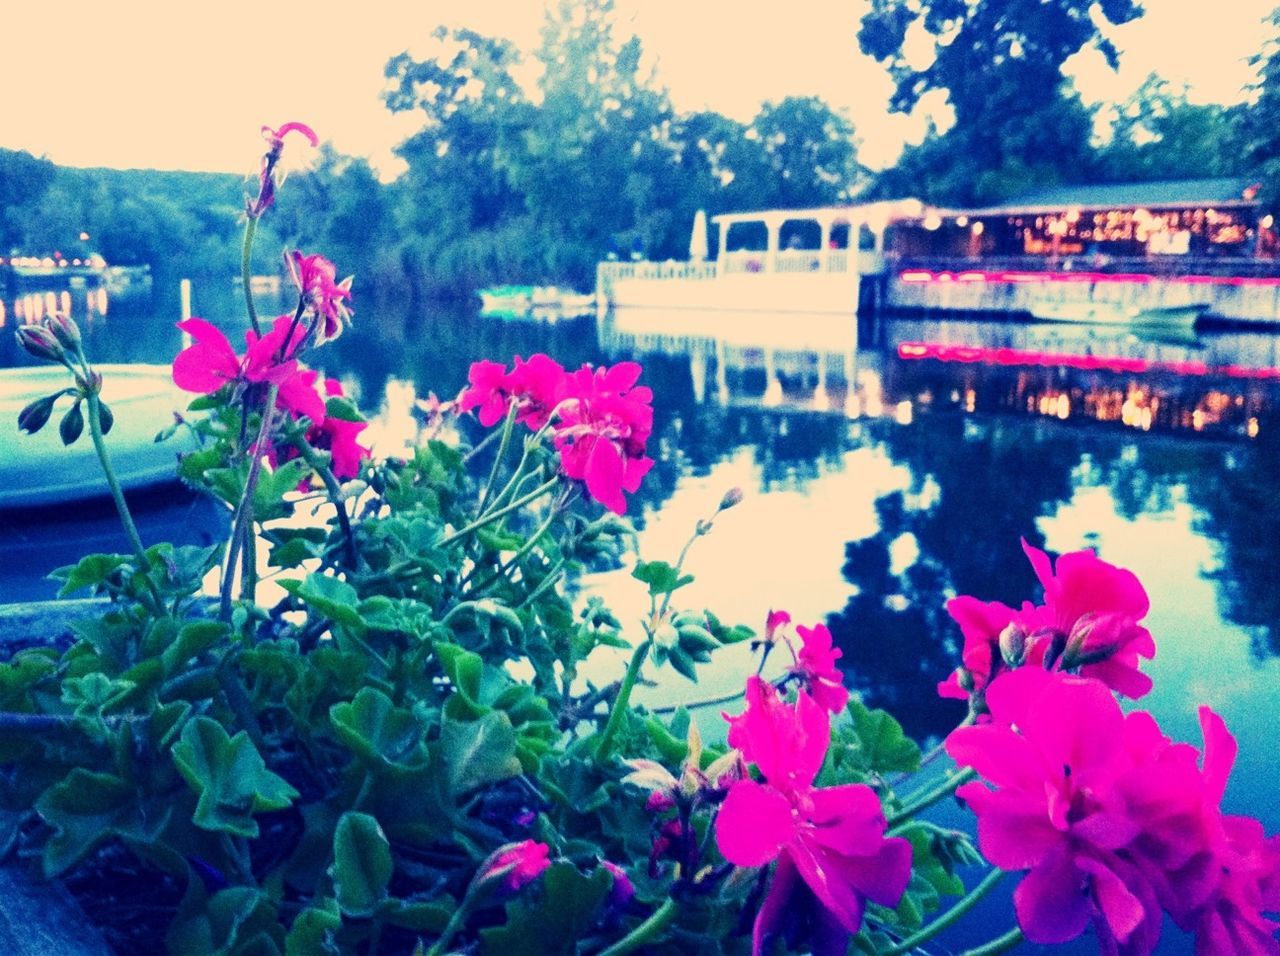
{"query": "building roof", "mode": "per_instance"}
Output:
(1168, 193)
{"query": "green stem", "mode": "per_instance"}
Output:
(246, 272)
(927, 799)
(1001, 944)
(623, 700)
(507, 426)
(545, 584)
(646, 932)
(696, 704)
(525, 548)
(949, 918)
(492, 516)
(117, 495)
(513, 483)
(244, 509)
(334, 489)
(451, 928)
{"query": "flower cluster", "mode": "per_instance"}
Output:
(828, 839)
(1089, 621)
(600, 420)
(324, 299)
(1114, 822)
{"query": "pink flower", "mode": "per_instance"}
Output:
(623, 889)
(832, 837)
(208, 363)
(518, 864)
(816, 666)
(326, 299)
(1057, 811)
(254, 208)
(981, 624)
(489, 390)
(1091, 612)
(338, 437)
(605, 422)
(538, 384)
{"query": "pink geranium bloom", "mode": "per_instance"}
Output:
(254, 208)
(326, 299)
(816, 666)
(832, 837)
(208, 363)
(605, 422)
(1055, 751)
(538, 384)
(518, 864)
(488, 390)
(981, 623)
(339, 437)
(1091, 612)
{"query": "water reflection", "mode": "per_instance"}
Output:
(953, 438)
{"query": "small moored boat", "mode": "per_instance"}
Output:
(547, 303)
(37, 470)
(1178, 317)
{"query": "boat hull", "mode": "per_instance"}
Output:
(38, 471)
(1181, 317)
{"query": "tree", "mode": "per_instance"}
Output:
(23, 181)
(1262, 120)
(1159, 134)
(810, 150)
(999, 63)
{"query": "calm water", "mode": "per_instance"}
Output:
(883, 479)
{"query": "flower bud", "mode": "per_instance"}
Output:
(38, 341)
(36, 415)
(65, 330)
(72, 424)
(731, 497)
(623, 889)
(1013, 644)
(665, 635)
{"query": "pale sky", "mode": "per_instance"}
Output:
(181, 85)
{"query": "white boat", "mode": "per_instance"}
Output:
(1174, 318)
(38, 470)
(546, 303)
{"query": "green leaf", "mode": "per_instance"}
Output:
(464, 669)
(230, 778)
(93, 571)
(330, 598)
(194, 639)
(420, 916)
(479, 752)
(377, 731)
(313, 931)
(84, 809)
(661, 577)
(239, 921)
(728, 635)
(268, 496)
(553, 925)
(343, 409)
(361, 864)
(883, 747)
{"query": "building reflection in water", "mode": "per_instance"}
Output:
(1007, 423)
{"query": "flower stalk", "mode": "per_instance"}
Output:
(648, 931)
(950, 917)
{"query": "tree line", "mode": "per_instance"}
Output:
(512, 184)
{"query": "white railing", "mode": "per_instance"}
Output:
(798, 261)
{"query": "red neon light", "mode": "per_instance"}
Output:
(1132, 278)
(1012, 357)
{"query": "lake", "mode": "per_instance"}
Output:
(886, 468)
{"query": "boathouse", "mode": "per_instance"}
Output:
(1145, 245)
